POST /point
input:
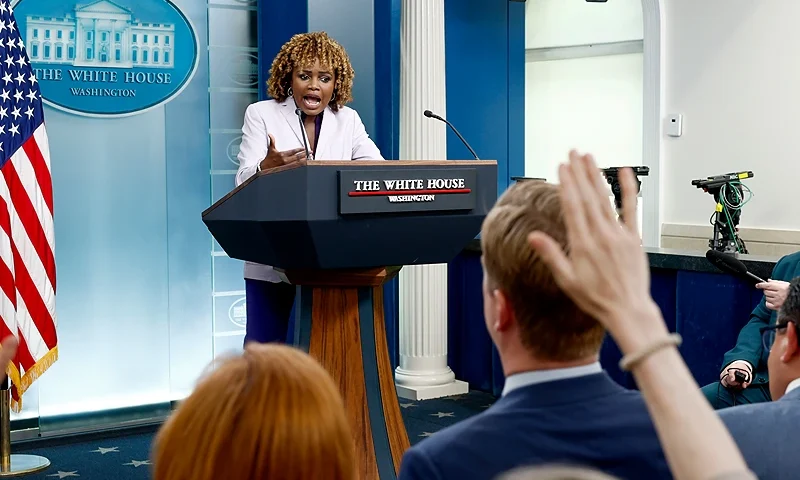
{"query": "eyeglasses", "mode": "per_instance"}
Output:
(768, 334)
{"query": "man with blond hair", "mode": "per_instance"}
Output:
(557, 406)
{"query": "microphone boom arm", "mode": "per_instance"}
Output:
(430, 114)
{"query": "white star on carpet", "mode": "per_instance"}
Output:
(456, 397)
(443, 414)
(61, 474)
(103, 451)
(406, 405)
(425, 434)
(138, 463)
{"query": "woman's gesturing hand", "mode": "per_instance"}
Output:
(276, 158)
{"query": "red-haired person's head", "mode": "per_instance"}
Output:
(270, 413)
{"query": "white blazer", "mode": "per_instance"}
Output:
(342, 136)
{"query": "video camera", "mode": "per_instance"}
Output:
(612, 177)
(728, 191)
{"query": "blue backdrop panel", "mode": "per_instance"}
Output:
(338, 19)
(516, 90)
(387, 131)
(277, 22)
(471, 354)
(707, 309)
(387, 77)
(485, 80)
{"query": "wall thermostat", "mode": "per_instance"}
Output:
(674, 125)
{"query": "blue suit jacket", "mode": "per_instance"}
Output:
(767, 435)
(588, 421)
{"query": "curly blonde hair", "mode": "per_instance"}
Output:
(302, 50)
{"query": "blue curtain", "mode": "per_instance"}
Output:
(471, 354)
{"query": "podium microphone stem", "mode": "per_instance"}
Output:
(14, 465)
(5, 426)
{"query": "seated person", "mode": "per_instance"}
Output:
(557, 404)
(748, 357)
(765, 432)
(271, 412)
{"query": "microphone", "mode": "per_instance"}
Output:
(730, 264)
(430, 114)
(299, 114)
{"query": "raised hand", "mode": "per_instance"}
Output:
(276, 158)
(606, 272)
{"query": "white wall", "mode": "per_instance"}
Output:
(556, 23)
(592, 104)
(733, 71)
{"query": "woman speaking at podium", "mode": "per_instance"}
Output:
(310, 81)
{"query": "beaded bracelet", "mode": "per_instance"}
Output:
(628, 361)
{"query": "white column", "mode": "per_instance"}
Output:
(96, 43)
(423, 372)
(80, 51)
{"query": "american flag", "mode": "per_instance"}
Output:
(27, 245)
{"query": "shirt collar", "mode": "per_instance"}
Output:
(525, 379)
(793, 385)
(318, 116)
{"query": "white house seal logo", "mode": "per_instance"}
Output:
(108, 58)
(237, 313)
(233, 150)
(243, 69)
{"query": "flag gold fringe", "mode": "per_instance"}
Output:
(22, 384)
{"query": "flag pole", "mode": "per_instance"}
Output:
(14, 465)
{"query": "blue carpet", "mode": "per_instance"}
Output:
(127, 458)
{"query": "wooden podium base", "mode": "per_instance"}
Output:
(339, 321)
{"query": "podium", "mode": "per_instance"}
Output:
(339, 230)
